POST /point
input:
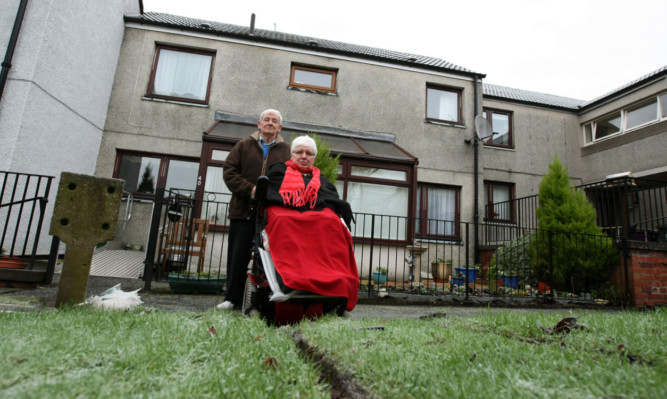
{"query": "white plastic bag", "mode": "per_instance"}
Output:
(115, 298)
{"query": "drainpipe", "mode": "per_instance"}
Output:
(475, 146)
(7, 63)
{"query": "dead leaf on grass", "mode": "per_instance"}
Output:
(211, 330)
(433, 315)
(271, 362)
(380, 328)
(564, 326)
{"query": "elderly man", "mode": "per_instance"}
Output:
(249, 159)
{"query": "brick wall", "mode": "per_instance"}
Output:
(647, 274)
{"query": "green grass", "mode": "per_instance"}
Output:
(502, 355)
(146, 353)
(82, 353)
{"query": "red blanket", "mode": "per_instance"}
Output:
(313, 252)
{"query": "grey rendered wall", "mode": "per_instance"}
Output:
(539, 134)
(248, 79)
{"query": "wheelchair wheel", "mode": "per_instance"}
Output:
(248, 296)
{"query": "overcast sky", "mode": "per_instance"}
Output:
(574, 48)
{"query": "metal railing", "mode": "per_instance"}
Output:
(414, 265)
(520, 262)
(23, 199)
(200, 221)
(626, 208)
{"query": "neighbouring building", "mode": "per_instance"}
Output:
(57, 83)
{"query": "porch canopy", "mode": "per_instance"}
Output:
(231, 128)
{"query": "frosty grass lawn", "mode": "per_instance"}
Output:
(150, 353)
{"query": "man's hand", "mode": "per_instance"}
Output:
(252, 192)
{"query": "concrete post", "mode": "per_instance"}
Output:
(85, 214)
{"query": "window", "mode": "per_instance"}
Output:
(437, 211)
(371, 189)
(143, 173)
(216, 194)
(501, 126)
(499, 198)
(443, 104)
(636, 116)
(182, 75)
(313, 78)
(642, 115)
(607, 126)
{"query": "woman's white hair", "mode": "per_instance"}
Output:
(305, 141)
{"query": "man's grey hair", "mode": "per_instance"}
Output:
(272, 111)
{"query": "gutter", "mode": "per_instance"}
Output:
(7, 63)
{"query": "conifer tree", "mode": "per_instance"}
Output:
(147, 184)
(569, 235)
(325, 162)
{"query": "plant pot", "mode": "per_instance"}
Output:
(510, 281)
(458, 281)
(379, 278)
(9, 262)
(543, 287)
(441, 270)
(203, 285)
(494, 284)
(472, 273)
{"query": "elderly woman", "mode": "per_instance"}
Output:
(310, 246)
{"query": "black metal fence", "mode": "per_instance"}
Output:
(23, 199)
(187, 238)
(626, 207)
(515, 262)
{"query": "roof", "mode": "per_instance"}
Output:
(565, 103)
(394, 57)
(649, 77)
(296, 41)
(232, 128)
(531, 97)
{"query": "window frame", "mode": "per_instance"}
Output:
(459, 95)
(345, 177)
(163, 170)
(510, 123)
(421, 212)
(488, 185)
(156, 60)
(208, 148)
(590, 129)
(325, 71)
(638, 106)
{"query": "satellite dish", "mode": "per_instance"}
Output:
(482, 128)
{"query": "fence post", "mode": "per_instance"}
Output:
(467, 286)
(551, 262)
(53, 259)
(370, 261)
(152, 238)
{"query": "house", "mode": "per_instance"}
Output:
(403, 123)
(169, 96)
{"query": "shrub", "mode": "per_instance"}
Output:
(569, 237)
(325, 162)
(513, 258)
